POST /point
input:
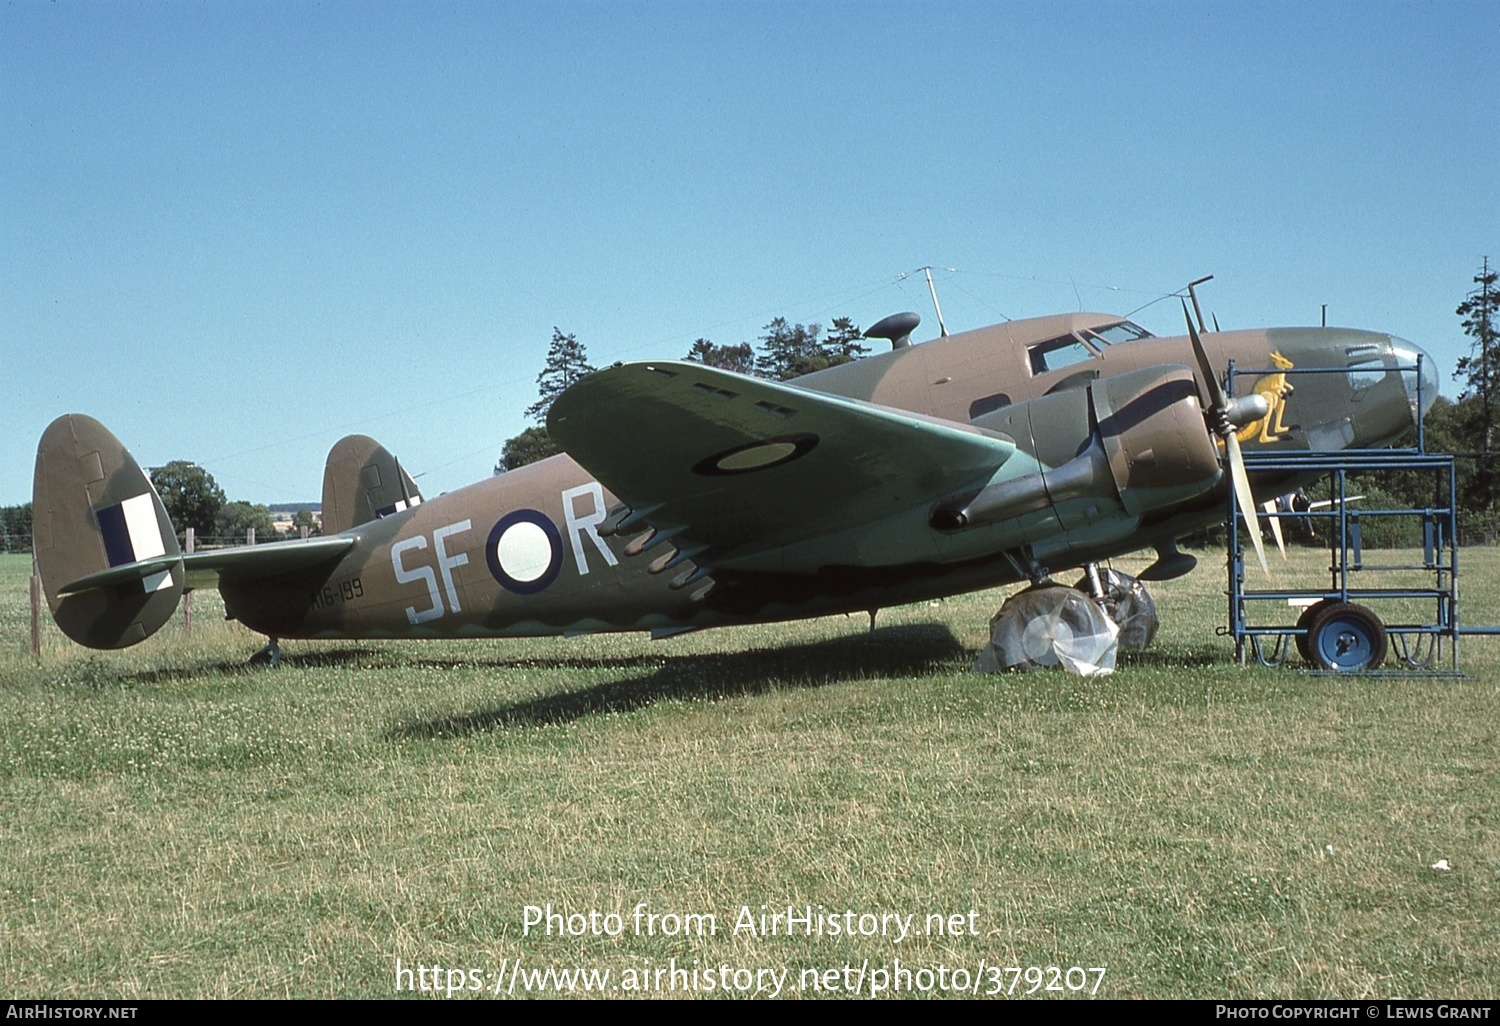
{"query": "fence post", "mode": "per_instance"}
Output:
(36, 610)
(187, 600)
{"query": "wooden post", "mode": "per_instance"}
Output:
(187, 600)
(36, 610)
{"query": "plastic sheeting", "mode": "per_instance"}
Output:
(1050, 625)
(1127, 602)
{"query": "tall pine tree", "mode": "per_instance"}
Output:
(567, 363)
(1480, 370)
(845, 342)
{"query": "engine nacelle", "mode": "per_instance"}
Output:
(1137, 441)
(1153, 433)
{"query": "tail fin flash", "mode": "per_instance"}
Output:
(362, 482)
(105, 547)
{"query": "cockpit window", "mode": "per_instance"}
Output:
(1367, 372)
(1114, 334)
(1057, 353)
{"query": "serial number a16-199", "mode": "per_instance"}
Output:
(343, 591)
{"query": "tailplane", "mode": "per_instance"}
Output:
(108, 556)
(362, 482)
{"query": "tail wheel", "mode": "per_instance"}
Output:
(1347, 638)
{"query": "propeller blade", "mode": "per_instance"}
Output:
(1275, 521)
(1217, 399)
(1218, 411)
(1244, 498)
(1323, 504)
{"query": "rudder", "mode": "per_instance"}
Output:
(105, 547)
(362, 482)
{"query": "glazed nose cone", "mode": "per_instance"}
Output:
(1421, 380)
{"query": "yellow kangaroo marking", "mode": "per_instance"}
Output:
(1275, 388)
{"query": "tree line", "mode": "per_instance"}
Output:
(785, 351)
(15, 528)
(194, 499)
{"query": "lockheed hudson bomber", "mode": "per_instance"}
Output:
(692, 497)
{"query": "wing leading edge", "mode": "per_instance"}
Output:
(731, 465)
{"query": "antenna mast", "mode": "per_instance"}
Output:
(942, 328)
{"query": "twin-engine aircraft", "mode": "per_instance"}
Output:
(692, 497)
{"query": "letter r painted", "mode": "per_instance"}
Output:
(578, 526)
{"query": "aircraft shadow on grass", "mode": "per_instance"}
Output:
(1205, 656)
(892, 651)
(236, 667)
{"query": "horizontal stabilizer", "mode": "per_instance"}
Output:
(143, 571)
(212, 567)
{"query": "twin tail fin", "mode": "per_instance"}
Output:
(105, 547)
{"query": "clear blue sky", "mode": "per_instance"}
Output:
(234, 232)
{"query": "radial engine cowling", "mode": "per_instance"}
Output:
(1152, 429)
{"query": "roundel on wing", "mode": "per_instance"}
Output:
(744, 459)
(524, 551)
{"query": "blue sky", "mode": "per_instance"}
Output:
(235, 232)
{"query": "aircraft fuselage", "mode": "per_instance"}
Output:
(533, 552)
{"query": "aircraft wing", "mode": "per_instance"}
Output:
(731, 465)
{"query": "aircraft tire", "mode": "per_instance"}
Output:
(1050, 625)
(1129, 606)
(1347, 638)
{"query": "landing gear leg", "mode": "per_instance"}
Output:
(268, 656)
(1091, 578)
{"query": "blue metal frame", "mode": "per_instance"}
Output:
(1422, 645)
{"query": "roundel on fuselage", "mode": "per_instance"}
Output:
(524, 551)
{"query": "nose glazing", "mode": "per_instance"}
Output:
(1419, 375)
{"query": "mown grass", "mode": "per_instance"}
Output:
(179, 825)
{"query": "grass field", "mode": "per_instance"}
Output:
(178, 825)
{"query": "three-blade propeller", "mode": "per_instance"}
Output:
(1225, 416)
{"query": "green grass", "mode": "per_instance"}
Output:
(177, 825)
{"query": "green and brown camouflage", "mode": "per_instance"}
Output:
(692, 497)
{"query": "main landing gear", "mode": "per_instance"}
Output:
(1079, 628)
(270, 655)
